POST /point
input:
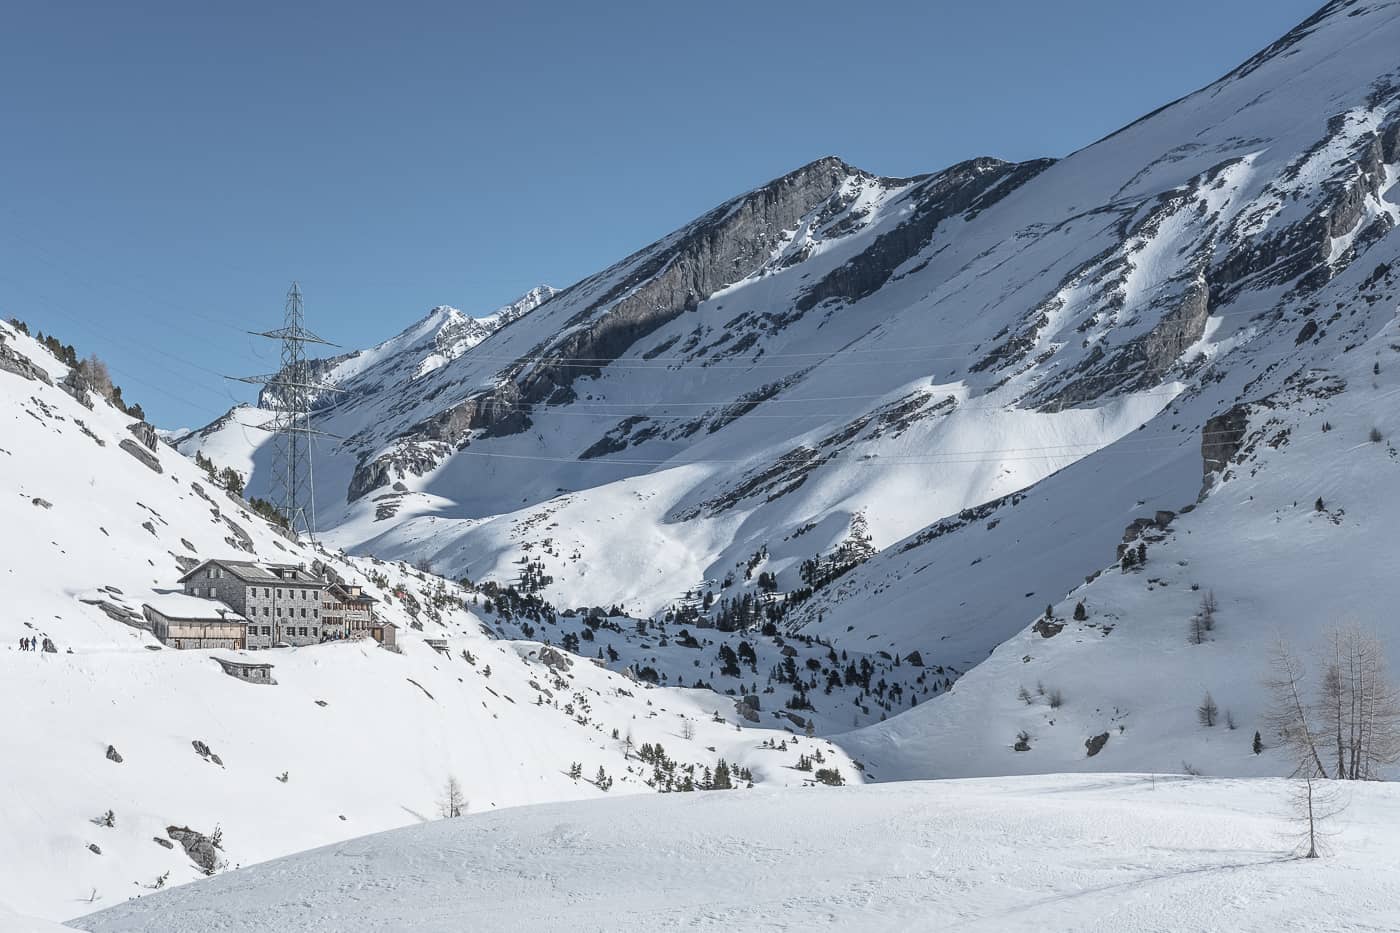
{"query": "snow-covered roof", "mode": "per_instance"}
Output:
(252, 572)
(244, 665)
(180, 606)
(344, 592)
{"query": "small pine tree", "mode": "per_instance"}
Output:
(1198, 630)
(453, 802)
(1080, 613)
(1141, 553)
(1208, 607)
(231, 480)
(1258, 743)
(1207, 712)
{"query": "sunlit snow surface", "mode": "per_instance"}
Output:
(1118, 853)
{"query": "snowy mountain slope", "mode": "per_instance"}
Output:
(998, 367)
(835, 343)
(1114, 852)
(351, 739)
(1276, 564)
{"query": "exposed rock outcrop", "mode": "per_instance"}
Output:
(145, 433)
(966, 187)
(555, 659)
(15, 364)
(1221, 440)
(203, 850)
(146, 457)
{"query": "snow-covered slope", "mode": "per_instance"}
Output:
(351, 739)
(1115, 853)
(1295, 535)
(835, 343)
(883, 416)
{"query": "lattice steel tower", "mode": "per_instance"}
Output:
(293, 477)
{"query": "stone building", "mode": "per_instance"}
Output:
(282, 603)
(182, 621)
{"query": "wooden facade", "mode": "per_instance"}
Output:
(183, 629)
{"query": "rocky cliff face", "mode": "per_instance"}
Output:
(625, 304)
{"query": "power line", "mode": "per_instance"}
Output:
(626, 409)
(822, 356)
(54, 262)
(871, 459)
(1127, 441)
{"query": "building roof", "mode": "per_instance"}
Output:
(342, 592)
(264, 574)
(244, 665)
(191, 608)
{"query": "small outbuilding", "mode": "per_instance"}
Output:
(251, 671)
(384, 632)
(182, 621)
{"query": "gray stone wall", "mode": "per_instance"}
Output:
(293, 606)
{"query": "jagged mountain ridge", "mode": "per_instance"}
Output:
(441, 336)
(912, 349)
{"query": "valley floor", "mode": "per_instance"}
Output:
(1096, 852)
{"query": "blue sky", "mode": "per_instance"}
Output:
(166, 169)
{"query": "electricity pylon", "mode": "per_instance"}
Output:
(293, 477)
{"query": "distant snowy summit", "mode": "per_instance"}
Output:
(454, 333)
(425, 346)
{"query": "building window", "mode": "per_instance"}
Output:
(279, 612)
(267, 630)
(279, 592)
(313, 613)
(266, 592)
(302, 631)
(266, 610)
